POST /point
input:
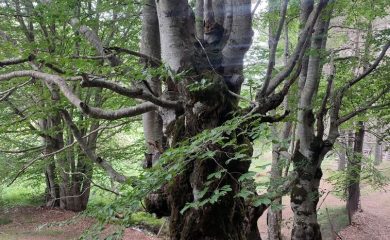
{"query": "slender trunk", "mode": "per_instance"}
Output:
(52, 186)
(378, 152)
(310, 149)
(342, 152)
(150, 46)
(274, 218)
(354, 170)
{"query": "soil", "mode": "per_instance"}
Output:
(373, 222)
(38, 223)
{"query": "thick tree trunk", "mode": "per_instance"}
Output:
(226, 218)
(305, 196)
(354, 170)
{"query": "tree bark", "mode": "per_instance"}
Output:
(226, 218)
(354, 170)
(305, 196)
(378, 152)
(342, 152)
(52, 185)
(150, 46)
(310, 148)
(274, 217)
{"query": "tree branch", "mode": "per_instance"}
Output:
(367, 106)
(132, 93)
(94, 40)
(114, 175)
(75, 100)
(352, 82)
(155, 61)
(15, 61)
(296, 56)
(273, 41)
(322, 111)
(118, 114)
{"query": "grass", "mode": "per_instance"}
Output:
(5, 221)
(338, 218)
(21, 195)
(146, 220)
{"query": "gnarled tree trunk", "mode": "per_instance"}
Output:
(228, 31)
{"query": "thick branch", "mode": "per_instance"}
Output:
(75, 100)
(118, 114)
(132, 93)
(322, 111)
(94, 40)
(15, 61)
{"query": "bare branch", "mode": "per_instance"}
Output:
(120, 113)
(94, 40)
(33, 149)
(9, 92)
(27, 165)
(255, 7)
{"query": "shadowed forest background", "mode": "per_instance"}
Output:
(194, 119)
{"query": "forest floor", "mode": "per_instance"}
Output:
(37, 223)
(373, 222)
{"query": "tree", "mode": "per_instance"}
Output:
(204, 172)
(354, 169)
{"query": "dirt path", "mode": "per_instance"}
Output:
(374, 221)
(33, 223)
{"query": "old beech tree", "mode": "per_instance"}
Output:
(205, 46)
